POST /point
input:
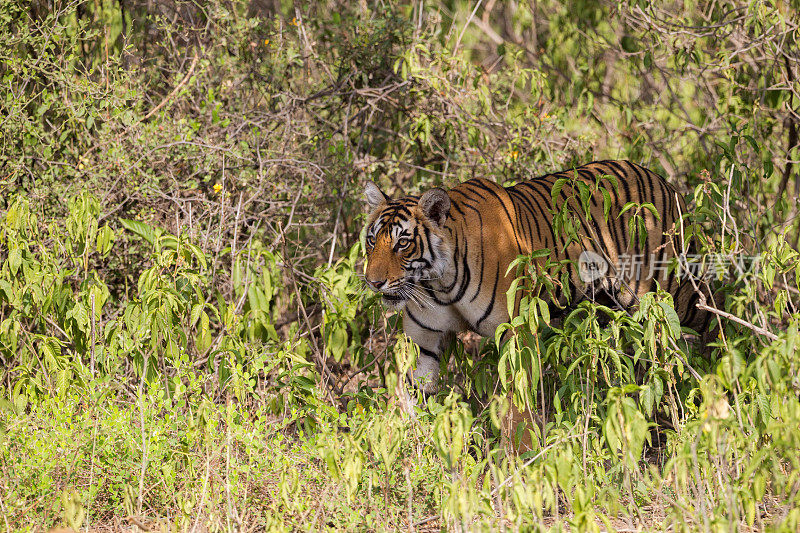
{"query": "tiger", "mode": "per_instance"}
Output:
(443, 257)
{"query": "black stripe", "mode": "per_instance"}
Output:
(468, 195)
(491, 303)
(526, 208)
(620, 171)
(428, 245)
(416, 321)
(692, 310)
(480, 249)
(639, 249)
(474, 188)
(465, 275)
(429, 353)
(454, 205)
(545, 213)
(448, 288)
(505, 209)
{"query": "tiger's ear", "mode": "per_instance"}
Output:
(435, 205)
(374, 195)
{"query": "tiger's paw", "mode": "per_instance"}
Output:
(426, 376)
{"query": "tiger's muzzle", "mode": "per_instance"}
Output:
(392, 293)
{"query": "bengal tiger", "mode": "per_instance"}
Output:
(443, 257)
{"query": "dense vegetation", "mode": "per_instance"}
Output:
(186, 343)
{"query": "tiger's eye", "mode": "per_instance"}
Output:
(402, 243)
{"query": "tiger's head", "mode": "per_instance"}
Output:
(406, 243)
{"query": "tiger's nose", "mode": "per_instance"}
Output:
(376, 283)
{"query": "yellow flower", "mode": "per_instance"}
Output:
(217, 188)
(294, 21)
(266, 42)
(514, 154)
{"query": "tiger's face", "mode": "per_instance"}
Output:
(406, 244)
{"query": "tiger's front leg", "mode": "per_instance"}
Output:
(431, 329)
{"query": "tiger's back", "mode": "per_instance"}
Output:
(637, 256)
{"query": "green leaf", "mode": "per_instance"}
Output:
(586, 196)
(198, 254)
(14, 260)
(172, 351)
(170, 242)
(763, 406)
(81, 317)
(337, 342)
(610, 430)
(511, 296)
(544, 311)
(266, 278)
(606, 203)
(642, 233)
(105, 238)
(627, 206)
(195, 313)
(556, 191)
(141, 229)
(672, 319)
(647, 399)
(502, 363)
(203, 339)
